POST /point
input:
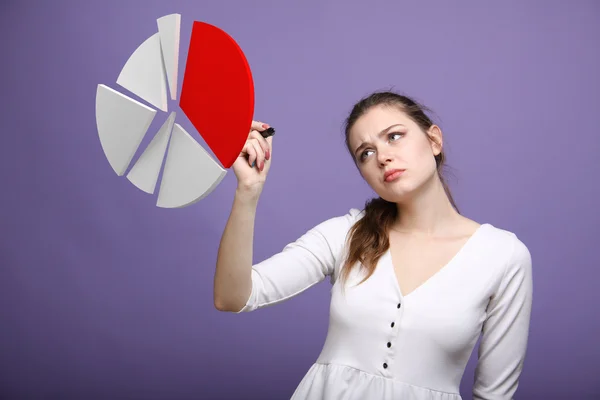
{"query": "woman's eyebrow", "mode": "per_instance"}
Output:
(383, 132)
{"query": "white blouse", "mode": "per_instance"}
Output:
(384, 345)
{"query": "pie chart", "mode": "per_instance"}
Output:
(217, 97)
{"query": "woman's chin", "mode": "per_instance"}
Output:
(394, 197)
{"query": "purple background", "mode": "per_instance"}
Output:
(104, 295)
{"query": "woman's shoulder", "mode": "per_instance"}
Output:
(339, 225)
(341, 222)
(505, 245)
(334, 230)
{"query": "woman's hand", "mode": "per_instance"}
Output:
(253, 163)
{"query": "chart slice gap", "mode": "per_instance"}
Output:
(146, 170)
(144, 73)
(169, 28)
(122, 123)
(190, 173)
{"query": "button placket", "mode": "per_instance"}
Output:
(389, 343)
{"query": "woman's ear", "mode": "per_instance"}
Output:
(435, 136)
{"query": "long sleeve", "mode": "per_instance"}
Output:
(506, 329)
(301, 264)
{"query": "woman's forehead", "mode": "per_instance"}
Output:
(377, 119)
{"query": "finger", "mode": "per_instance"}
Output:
(263, 143)
(259, 126)
(249, 149)
(269, 141)
(260, 155)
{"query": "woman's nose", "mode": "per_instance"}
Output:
(384, 157)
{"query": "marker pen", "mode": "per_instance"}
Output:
(266, 133)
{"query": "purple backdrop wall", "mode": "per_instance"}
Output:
(104, 295)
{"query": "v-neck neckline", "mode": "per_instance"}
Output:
(435, 276)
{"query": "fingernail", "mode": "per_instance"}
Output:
(268, 154)
(252, 164)
(262, 166)
(266, 126)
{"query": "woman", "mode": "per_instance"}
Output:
(414, 283)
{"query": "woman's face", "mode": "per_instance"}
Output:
(392, 152)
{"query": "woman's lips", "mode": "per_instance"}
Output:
(392, 175)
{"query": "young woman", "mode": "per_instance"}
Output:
(415, 284)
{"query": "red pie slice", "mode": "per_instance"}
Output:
(217, 93)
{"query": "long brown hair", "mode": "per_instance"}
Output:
(368, 238)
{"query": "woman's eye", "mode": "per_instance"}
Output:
(392, 137)
(395, 136)
(364, 154)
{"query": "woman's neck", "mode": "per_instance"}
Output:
(428, 212)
